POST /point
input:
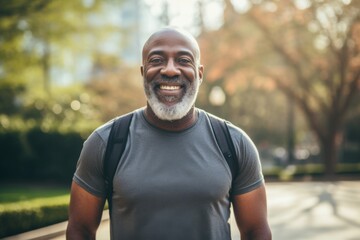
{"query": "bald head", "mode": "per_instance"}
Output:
(166, 33)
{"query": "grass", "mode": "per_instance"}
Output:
(20, 193)
(26, 207)
(16, 197)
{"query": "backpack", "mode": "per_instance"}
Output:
(118, 138)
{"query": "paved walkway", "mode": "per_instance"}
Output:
(297, 211)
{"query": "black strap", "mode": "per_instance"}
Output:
(115, 147)
(224, 140)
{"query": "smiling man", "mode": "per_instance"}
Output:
(172, 180)
(172, 74)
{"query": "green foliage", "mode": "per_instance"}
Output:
(27, 215)
(26, 207)
(12, 149)
(69, 110)
(28, 29)
(14, 193)
(9, 95)
(53, 154)
(38, 40)
(39, 155)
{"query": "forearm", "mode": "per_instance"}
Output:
(257, 234)
(85, 213)
(250, 212)
(74, 232)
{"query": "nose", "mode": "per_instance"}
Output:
(170, 69)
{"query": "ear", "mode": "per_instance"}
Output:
(201, 72)
(142, 70)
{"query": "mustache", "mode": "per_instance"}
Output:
(170, 79)
(165, 79)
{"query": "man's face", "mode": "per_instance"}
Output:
(172, 74)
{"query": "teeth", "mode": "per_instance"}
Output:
(167, 87)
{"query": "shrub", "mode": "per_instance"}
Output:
(54, 154)
(24, 216)
(38, 155)
(12, 153)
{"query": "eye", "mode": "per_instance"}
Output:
(155, 60)
(184, 60)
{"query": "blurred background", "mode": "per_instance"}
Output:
(285, 71)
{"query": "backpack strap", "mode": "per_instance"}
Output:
(115, 147)
(226, 144)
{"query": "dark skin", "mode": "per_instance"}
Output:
(170, 53)
(250, 212)
(85, 213)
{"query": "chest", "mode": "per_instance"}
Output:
(174, 169)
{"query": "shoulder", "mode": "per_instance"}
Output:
(242, 142)
(102, 132)
(244, 145)
(237, 134)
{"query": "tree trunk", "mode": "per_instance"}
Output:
(291, 131)
(329, 155)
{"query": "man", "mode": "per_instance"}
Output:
(172, 181)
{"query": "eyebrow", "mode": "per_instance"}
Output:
(180, 53)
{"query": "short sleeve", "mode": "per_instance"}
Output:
(89, 170)
(249, 176)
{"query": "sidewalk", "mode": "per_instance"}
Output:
(315, 210)
(297, 211)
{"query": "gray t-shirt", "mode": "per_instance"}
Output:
(170, 185)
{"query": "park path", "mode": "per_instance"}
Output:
(297, 211)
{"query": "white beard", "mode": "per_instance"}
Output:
(176, 111)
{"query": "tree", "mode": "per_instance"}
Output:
(21, 8)
(252, 101)
(39, 39)
(309, 52)
(116, 87)
(29, 30)
(322, 78)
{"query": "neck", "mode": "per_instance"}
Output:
(176, 125)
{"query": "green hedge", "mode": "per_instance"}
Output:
(39, 155)
(24, 216)
(293, 171)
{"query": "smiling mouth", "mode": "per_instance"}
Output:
(169, 87)
(169, 94)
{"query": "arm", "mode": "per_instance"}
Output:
(250, 212)
(85, 213)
